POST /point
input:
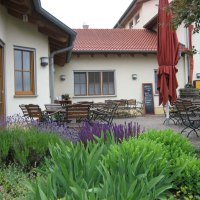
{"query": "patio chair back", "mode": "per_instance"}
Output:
(24, 110)
(34, 111)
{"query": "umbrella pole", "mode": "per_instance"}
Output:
(167, 113)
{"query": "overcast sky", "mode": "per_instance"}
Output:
(95, 13)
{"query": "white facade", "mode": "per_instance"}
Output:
(147, 11)
(123, 66)
(14, 32)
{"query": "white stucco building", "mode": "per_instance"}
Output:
(97, 51)
(27, 33)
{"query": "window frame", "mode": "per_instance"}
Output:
(137, 18)
(32, 71)
(101, 83)
(155, 82)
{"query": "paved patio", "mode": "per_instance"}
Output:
(156, 122)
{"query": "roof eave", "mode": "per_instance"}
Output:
(48, 16)
(115, 51)
(125, 13)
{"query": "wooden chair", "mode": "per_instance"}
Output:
(24, 110)
(35, 113)
(173, 115)
(189, 117)
(105, 113)
(78, 111)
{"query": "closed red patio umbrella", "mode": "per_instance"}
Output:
(167, 55)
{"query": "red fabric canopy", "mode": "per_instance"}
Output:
(167, 55)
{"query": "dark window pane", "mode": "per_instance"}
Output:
(77, 89)
(108, 83)
(18, 81)
(80, 87)
(83, 89)
(155, 81)
(26, 61)
(18, 60)
(76, 78)
(94, 83)
(27, 81)
(83, 78)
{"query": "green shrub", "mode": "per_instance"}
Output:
(12, 183)
(179, 152)
(188, 183)
(72, 172)
(131, 170)
(138, 170)
(175, 144)
(26, 147)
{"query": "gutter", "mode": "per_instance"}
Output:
(51, 66)
(58, 23)
(72, 36)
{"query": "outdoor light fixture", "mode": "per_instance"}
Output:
(62, 77)
(198, 75)
(44, 61)
(134, 76)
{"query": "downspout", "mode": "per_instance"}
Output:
(187, 56)
(52, 95)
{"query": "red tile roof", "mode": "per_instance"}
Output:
(115, 40)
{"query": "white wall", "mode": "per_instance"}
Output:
(23, 34)
(124, 66)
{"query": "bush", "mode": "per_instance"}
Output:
(12, 183)
(175, 144)
(179, 152)
(188, 183)
(72, 172)
(131, 170)
(138, 170)
(26, 147)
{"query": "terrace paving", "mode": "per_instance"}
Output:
(156, 122)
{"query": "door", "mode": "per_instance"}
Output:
(2, 106)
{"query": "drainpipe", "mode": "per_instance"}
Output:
(52, 95)
(187, 56)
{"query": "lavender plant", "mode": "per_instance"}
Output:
(20, 122)
(119, 131)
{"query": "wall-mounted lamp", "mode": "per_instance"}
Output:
(44, 61)
(62, 77)
(198, 75)
(134, 76)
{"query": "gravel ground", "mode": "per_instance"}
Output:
(156, 122)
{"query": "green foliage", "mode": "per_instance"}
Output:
(138, 170)
(12, 183)
(72, 172)
(179, 152)
(26, 147)
(174, 143)
(188, 184)
(186, 11)
(131, 170)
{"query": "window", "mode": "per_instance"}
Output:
(130, 25)
(137, 18)
(80, 83)
(155, 81)
(94, 83)
(24, 71)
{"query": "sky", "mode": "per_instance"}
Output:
(95, 13)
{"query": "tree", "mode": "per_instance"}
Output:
(186, 11)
